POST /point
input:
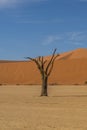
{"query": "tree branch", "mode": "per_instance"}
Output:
(40, 62)
(51, 67)
(50, 60)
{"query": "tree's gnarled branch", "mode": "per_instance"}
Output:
(40, 62)
(51, 60)
(45, 67)
(32, 60)
(51, 65)
(44, 62)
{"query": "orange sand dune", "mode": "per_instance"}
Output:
(69, 68)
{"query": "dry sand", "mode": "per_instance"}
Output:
(21, 108)
(69, 68)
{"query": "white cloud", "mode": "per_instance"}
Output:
(51, 39)
(77, 37)
(8, 3)
(74, 38)
(11, 3)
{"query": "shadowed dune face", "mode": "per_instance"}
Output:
(69, 68)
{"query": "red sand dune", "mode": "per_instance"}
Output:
(69, 68)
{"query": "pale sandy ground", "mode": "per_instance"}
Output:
(21, 108)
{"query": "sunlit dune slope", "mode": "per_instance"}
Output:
(69, 68)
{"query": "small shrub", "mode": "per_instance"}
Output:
(86, 82)
(53, 84)
(17, 84)
(76, 84)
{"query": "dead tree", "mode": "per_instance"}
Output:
(45, 67)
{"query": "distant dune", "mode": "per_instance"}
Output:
(69, 68)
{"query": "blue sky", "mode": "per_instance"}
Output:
(36, 27)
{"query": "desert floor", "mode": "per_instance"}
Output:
(21, 108)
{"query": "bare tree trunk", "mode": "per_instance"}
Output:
(45, 70)
(44, 86)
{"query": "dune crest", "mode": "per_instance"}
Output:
(79, 53)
